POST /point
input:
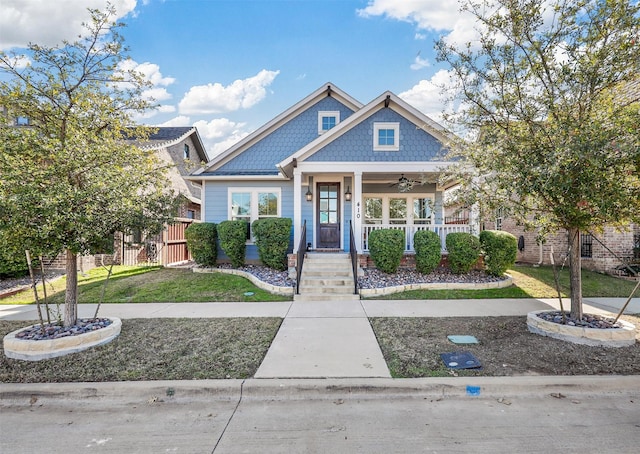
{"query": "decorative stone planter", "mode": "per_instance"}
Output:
(36, 350)
(610, 337)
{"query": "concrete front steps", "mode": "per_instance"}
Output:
(326, 276)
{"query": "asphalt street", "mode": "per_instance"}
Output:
(492, 415)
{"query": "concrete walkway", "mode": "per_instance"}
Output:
(329, 339)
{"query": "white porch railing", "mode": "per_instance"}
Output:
(409, 230)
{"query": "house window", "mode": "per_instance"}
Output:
(387, 209)
(252, 204)
(373, 210)
(586, 245)
(327, 120)
(499, 217)
(386, 136)
(422, 210)
(398, 211)
(186, 151)
(191, 214)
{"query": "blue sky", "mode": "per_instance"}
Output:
(229, 66)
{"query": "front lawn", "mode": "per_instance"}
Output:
(533, 282)
(144, 284)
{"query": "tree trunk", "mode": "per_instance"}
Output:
(71, 293)
(576, 273)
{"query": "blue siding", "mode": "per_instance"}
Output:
(286, 140)
(216, 204)
(357, 144)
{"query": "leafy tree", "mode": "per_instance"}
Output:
(70, 179)
(547, 99)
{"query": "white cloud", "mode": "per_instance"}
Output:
(430, 15)
(157, 94)
(427, 14)
(177, 121)
(216, 98)
(219, 134)
(47, 22)
(150, 72)
(419, 63)
(428, 97)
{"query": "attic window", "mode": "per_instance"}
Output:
(327, 120)
(186, 151)
(386, 136)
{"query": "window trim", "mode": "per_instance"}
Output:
(253, 210)
(395, 126)
(410, 198)
(327, 113)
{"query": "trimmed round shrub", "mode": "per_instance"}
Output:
(464, 251)
(428, 250)
(500, 251)
(272, 239)
(386, 247)
(202, 243)
(233, 240)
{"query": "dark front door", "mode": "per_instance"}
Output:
(328, 215)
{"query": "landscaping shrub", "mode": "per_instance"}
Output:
(386, 247)
(500, 251)
(13, 261)
(464, 250)
(202, 243)
(428, 250)
(233, 240)
(272, 239)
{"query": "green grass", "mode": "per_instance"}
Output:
(152, 284)
(532, 282)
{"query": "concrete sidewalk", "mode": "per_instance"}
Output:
(329, 339)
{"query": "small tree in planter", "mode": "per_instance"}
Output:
(386, 247)
(272, 239)
(233, 240)
(500, 251)
(464, 251)
(428, 250)
(202, 242)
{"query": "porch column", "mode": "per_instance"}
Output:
(358, 209)
(297, 208)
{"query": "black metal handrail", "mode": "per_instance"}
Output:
(302, 251)
(353, 252)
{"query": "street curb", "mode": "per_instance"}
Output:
(322, 389)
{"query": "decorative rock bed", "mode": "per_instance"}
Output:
(28, 344)
(545, 323)
(261, 276)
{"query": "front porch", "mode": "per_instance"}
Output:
(340, 208)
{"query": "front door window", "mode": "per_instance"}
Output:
(328, 215)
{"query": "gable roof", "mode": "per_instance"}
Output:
(166, 136)
(385, 100)
(327, 89)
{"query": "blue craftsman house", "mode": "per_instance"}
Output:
(337, 167)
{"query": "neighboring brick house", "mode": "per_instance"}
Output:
(183, 151)
(181, 148)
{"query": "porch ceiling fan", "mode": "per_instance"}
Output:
(406, 184)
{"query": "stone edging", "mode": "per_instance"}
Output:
(36, 350)
(612, 337)
(369, 292)
(284, 291)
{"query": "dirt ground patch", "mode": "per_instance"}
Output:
(412, 348)
(155, 349)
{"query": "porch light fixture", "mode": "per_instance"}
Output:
(347, 195)
(309, 195)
